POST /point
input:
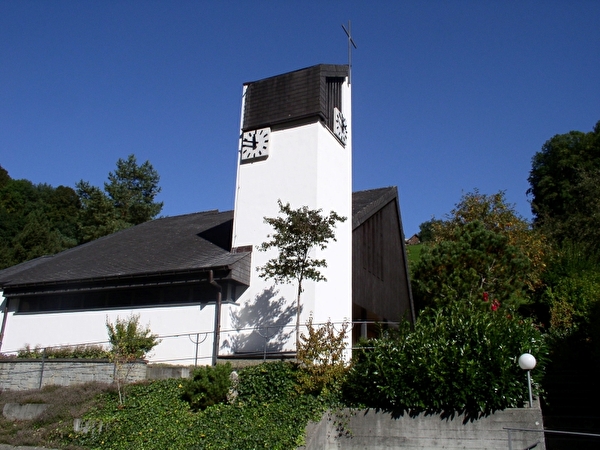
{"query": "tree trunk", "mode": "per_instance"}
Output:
(298, 316)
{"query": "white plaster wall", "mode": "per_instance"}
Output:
(177, 327)
(334, 299)
(307, 166)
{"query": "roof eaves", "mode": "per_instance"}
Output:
(127, 280)
(6, 275)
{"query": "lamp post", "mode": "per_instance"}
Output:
(527, 362)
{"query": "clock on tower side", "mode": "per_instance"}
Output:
(296, 146)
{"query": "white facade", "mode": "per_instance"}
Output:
(307, 166)
(179, 328)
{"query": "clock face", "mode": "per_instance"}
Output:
(340, 126)
(255, 144)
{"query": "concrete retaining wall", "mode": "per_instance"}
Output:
(166, 372)
(377, 431)
(23, 374)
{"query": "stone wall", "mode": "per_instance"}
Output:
(378, 431)
(22, 374)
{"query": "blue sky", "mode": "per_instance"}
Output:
(448, 96)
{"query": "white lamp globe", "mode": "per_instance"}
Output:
(527, 361)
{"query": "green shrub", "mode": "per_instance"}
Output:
(208, 386)
(457, 359)
(572, 300)
(73, 352)
(321, 355)
(268, 382)
(129, 340)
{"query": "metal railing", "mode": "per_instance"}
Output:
(258, 342)
(565, 433)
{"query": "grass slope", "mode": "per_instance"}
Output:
(67, 403)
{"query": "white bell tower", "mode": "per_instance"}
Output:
(295, 146)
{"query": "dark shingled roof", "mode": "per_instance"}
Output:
(367, 203)
(161, 246)
(166, 246)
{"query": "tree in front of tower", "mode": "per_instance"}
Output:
(296, 233)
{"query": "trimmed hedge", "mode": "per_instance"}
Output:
(457, 359)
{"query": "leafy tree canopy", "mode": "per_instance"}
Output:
(297, 232)
(38, 219)
(132, 189)
(482, 246)
(35, 220)
(4, 177)
(98, 216)
(128, 199)
(565, 187)
(426, 230)
(473, 262)
(38, 238)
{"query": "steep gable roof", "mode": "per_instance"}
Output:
(367, 203)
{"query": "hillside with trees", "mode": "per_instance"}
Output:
(565, 198)
(38, 219)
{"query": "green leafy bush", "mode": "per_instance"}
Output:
(457, 359)
(208, 386)
(129, 340)
(73, 352)
(321, 355)
(268, 382)
(571, 301)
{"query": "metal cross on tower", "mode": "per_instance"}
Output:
(350, 45)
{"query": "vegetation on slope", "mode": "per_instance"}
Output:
(455, 360)
(38, 219)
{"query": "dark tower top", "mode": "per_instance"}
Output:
(309, 93)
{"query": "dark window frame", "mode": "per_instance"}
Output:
(334, 98)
